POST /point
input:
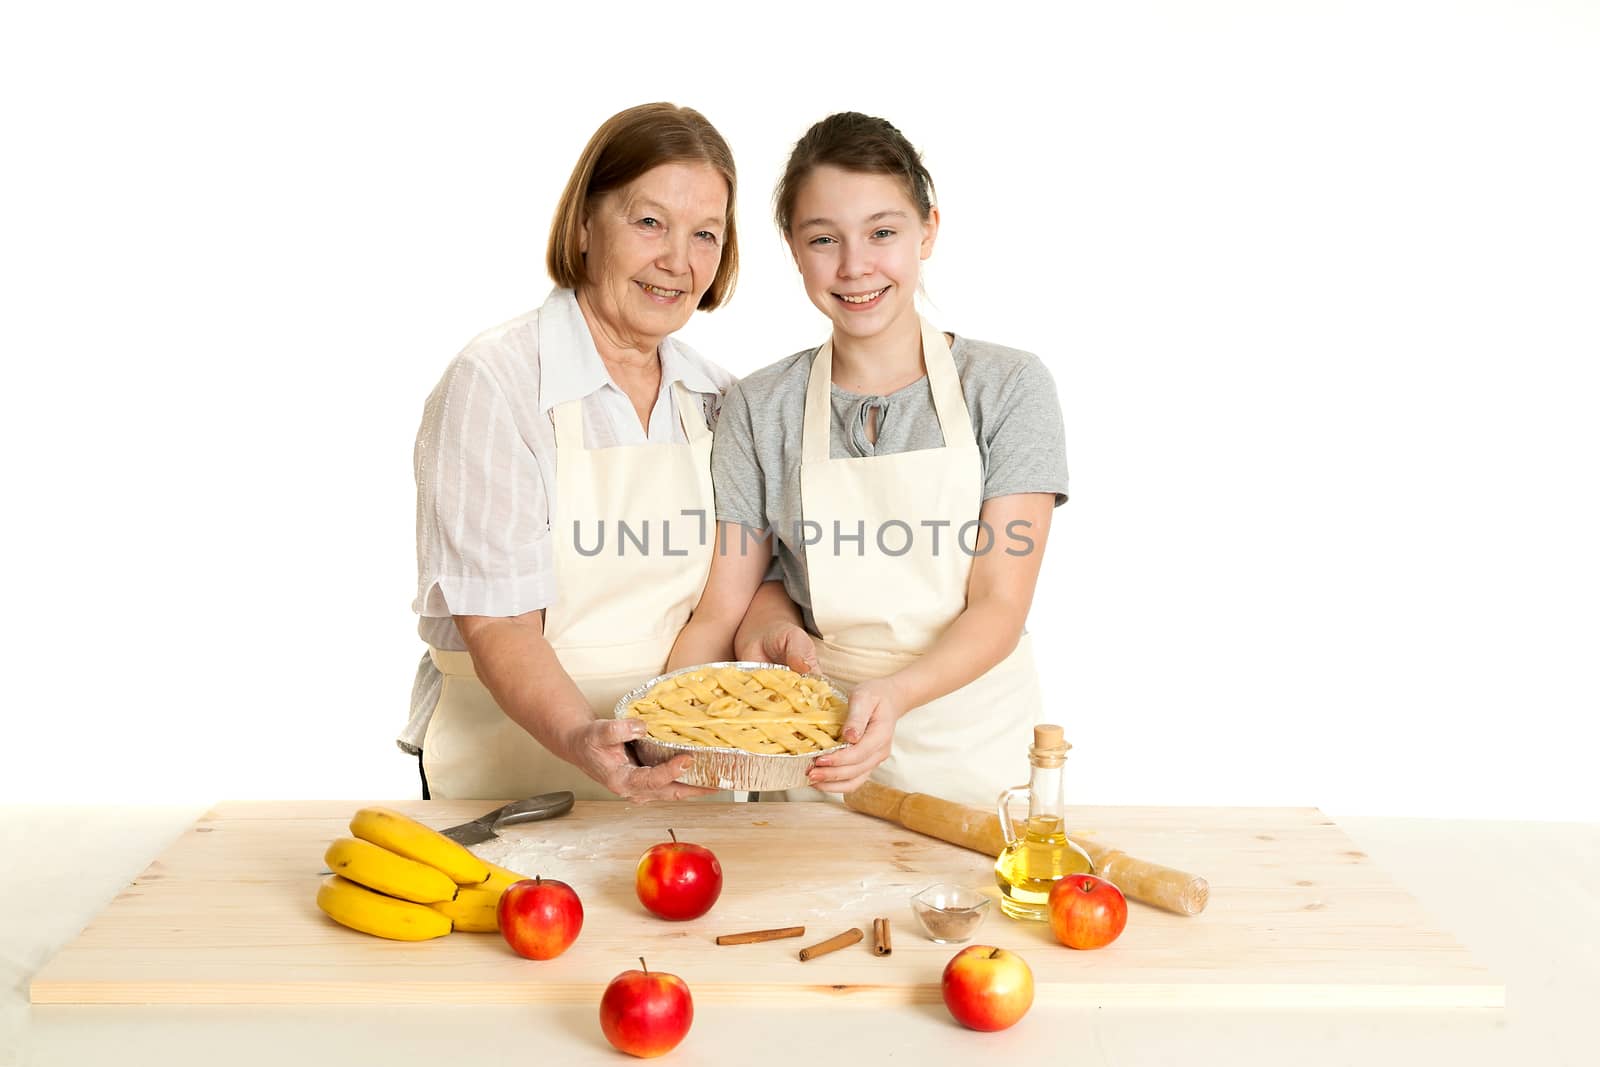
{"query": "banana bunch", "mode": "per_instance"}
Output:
(399, 879)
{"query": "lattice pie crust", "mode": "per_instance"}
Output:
(772, 711)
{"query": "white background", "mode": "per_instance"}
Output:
(1318, 285)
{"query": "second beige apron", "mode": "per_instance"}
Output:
(649, 510)
(882, 600)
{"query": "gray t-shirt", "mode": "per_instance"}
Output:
(755, 458)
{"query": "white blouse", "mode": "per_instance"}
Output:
(486, 474)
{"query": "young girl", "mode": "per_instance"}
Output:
(902, 478)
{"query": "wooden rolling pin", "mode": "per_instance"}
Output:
(979, 830)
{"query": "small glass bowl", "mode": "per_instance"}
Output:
(949, 914)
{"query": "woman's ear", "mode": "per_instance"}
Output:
(788, 243)
(930, 232)
(586, 213)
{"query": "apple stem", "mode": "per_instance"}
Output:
(641, 964)
(995, 953)
(673, 835)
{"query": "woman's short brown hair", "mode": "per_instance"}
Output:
(625, 146)
(855, 142)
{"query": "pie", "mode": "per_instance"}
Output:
(773, 711)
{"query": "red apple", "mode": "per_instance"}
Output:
(540, 917)
(987, 988)
(1086, 912)
(646, 1013)
(677, 880)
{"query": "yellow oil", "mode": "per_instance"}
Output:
(1026, 870)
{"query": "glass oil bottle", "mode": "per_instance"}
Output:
(1041, 854)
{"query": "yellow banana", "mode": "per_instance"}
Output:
(500, 878)
(474, 910)
(388, 872)
(373, 913)
(414, 841)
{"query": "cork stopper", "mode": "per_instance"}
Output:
(1049, 748)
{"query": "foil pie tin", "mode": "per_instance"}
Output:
(726, 768)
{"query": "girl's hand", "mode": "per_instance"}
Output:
(875, 708)
(786, 643)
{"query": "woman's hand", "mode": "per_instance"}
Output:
(521, 671)
(875, 708)
(596, 749)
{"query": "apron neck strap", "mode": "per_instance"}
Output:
(948, 403)
(691, 413)
(568, 418)
(954, 423)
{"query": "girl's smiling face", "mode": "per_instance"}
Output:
(859, 243)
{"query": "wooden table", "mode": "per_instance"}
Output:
(1548, 945)
(1299, 916)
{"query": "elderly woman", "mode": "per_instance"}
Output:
(564, 503)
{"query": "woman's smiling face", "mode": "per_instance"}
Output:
(651, 250)
(859, 244)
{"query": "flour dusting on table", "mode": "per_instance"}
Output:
(532, 854)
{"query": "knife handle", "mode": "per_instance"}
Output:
(544, 806)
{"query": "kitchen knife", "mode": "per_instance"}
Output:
(481, 829)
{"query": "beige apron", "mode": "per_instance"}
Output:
(879, 604)
(618, 614)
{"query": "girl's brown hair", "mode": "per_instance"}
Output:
(855, 142)
(627, 145)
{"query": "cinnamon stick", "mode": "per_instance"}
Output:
(880, 937)
(755, 936)
(833, 944)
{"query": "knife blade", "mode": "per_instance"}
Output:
(531, 809)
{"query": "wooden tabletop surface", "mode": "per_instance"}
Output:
(1519, 897)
